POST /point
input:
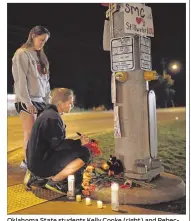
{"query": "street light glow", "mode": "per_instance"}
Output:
(174, 66)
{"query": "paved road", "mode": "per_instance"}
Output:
(87, 122)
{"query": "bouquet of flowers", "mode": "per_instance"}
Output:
(87, 177)
(93, 147)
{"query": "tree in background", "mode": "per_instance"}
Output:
(164, 91)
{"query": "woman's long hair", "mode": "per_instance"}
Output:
(38, 30)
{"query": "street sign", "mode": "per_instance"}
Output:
(138, 19)
(122, 54)
(145, 53)
(146, 41)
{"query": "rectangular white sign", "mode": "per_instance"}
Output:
(126, 63)
(123, 57)
(123, 67)
(117, 129)
(122, 54)
(113, 88)
(145, 65)
(122, 50)
(145, 49)
(145, 41)
(121, 42)
(145, 57)
(145, 53)
(138, 20)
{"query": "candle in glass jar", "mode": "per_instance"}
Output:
(115, 196)
(71, 187)
(88, 201)
(99, 204)
(78, 198)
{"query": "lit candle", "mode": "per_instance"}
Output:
(115, 196)
(78, 198)
(99, 204)
(71, 187)
(88, 201)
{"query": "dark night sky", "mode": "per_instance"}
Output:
(75, 48)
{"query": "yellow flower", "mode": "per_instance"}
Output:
(89, 169)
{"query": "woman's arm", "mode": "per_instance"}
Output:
(47, 98)
(20, 71)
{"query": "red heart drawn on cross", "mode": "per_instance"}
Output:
(138, 20)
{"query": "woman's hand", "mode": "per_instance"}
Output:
(84, 140)
(31, 109)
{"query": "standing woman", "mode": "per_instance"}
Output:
(30, 69)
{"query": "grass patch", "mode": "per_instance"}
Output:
(172, 147)
(171, 150)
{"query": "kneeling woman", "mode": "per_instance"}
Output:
(49, 153)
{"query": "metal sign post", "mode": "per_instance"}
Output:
(127, 36)
(130, 51)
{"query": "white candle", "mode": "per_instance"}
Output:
(115, 196)
(88, 201)
(99, 204)
(71, 186)
(78, 198)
